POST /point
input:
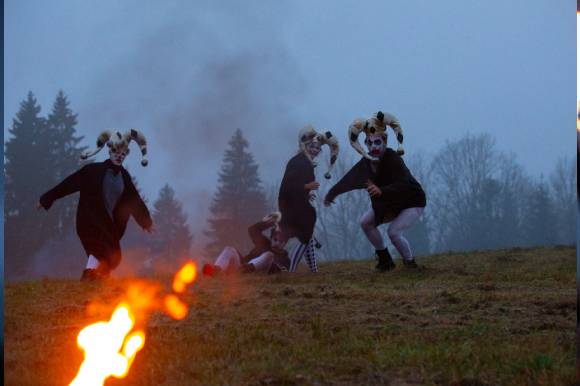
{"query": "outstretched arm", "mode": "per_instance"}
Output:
(355, 178)
(68, 186)
(139, 209)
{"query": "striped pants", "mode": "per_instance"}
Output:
(304, 250)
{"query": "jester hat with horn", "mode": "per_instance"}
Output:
(308, 135)
(376, 125)
(118, 142)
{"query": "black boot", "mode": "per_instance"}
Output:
(90, 275)
(385, 261)
(247, 268)
(410, 263)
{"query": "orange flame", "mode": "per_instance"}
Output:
(186, 275)
(175, 307)
(578, 117)
(108, 350)
(110, 347)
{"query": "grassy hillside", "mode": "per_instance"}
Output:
(485, 318)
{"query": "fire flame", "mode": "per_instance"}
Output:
(578, 117)
(175, 307)
(186, 275)
(110, 347)
(108, 350)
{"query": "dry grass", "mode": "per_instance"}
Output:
(486, 318)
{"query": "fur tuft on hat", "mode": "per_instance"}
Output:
(119, 142)
(276, 216)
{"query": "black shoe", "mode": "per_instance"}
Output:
(385, 262)
(90, 275)
(410, 263)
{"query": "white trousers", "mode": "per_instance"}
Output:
(402, 222)
(230, 258)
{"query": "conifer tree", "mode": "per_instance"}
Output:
(28, 172)
(66, 158)
(239, 200)
(172, 239)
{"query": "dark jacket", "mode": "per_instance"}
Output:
(263, 244)
(400, 190)
(298, 216)
(99, 233)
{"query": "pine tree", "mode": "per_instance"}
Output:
(239, 201)
(172, 239)
(66, 155)
(28, 171)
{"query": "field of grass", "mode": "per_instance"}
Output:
(485, 318)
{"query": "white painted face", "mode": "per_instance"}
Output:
(118, 149)
(118, 153)
(313, 148)
(117, 157)
(277, 239)
(377, 144)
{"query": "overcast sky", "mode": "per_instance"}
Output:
(187, 73)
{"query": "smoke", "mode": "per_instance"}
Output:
(64, 258)
(188, 81)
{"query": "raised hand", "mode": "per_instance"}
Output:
(374, 191)
(312, 186)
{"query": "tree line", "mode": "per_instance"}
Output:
(477, 198)
(43, 150)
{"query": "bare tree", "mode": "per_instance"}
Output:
(419, 235)
(563, 189)
(476, 195)
(338, 227)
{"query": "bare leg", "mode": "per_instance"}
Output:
(401, 223)
(367, 223)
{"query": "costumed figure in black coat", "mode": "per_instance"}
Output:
(267, 256)
(396, 196)
(296, 194)
(107, 198)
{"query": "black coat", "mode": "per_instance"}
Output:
(400, 190)
(298, 216)
(99, 233)
(262, 244)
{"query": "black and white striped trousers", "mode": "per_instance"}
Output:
(304, 250)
